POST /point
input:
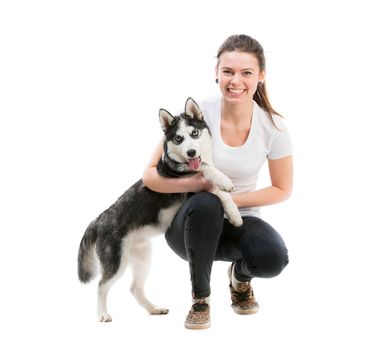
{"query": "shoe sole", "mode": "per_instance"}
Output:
(246, 311)
(197, 325)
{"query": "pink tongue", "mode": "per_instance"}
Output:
(194, 163)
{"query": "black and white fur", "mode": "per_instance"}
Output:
(121, 235)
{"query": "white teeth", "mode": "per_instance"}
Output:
(236, 91)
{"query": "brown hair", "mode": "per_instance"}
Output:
(245, 43)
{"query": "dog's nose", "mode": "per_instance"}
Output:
(191, 153)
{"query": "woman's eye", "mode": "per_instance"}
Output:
(247, 73)
(227, 72)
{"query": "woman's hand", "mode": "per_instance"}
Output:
(198, 183)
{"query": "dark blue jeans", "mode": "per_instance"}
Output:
(200, 234)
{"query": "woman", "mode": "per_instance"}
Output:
(246, 131)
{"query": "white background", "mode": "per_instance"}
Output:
(81, 83)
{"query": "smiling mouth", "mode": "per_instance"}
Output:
(235, 91)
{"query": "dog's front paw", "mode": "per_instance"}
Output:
(224, 183)
(235, 220)
(159, 311)
(105, 317)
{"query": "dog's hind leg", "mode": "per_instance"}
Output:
(109, 276)
(102, 294)
(140, 260)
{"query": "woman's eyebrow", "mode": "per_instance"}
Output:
(252, 69)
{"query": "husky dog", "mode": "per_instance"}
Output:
(121, 235)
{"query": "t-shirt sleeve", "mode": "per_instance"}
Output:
(280, 145)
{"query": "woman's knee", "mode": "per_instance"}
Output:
(201, 214)
(205, 205)
(263, 249)
(268, 263)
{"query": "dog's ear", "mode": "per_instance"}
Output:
(165, 118)
(192, 109)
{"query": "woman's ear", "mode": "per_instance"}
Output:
(262, 76)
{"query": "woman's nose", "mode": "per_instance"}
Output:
(236, 78)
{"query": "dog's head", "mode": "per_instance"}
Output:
(187, 137)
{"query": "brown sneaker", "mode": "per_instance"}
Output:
(198, 316)
(243, 300)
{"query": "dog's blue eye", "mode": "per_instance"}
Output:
(178, 139)
(195, 133)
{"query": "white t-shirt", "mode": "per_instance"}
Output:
(242, 164)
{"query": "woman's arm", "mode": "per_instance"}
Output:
(281, 174)
(158, 183)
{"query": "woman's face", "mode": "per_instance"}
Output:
(238, 74)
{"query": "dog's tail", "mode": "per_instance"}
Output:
(87, 260)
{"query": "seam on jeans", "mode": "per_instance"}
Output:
(190, 253)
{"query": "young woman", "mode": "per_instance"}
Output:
(246, 132)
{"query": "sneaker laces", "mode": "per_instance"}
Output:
(200, 307)
(243, 295)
